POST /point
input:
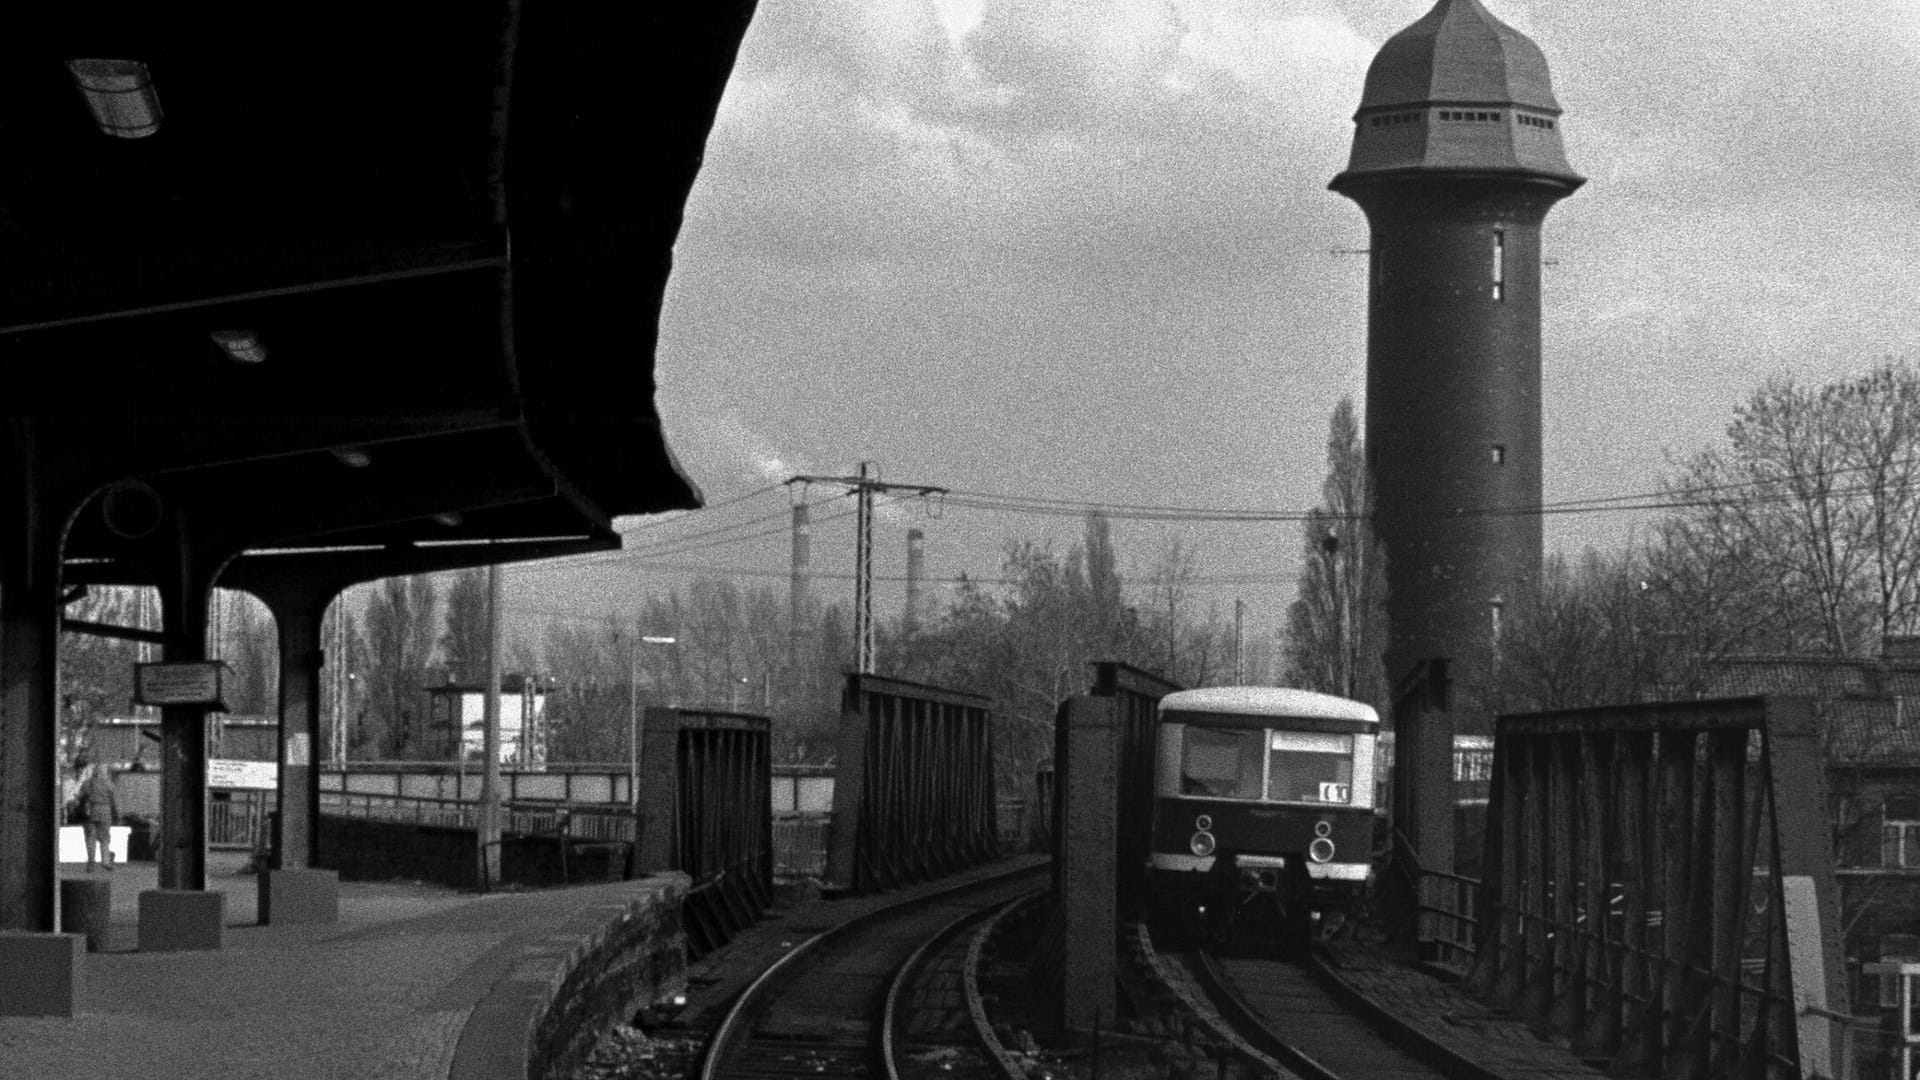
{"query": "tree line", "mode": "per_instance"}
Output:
(1026, 641)
(1797, 535)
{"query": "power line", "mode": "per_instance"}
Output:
(657, 520)
(1699, 495)
(679, 545)
(1249, 578)
(865, 486)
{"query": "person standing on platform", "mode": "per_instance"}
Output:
(100, 810)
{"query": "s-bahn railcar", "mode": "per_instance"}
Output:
(1263, 812)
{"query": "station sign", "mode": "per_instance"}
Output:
(193, 682)
(245, 775)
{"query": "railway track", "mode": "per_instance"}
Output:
(1283, 1009)
(872, 995)
(1291, 1015)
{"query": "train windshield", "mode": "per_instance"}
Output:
(1310, 766)
(1221, 763)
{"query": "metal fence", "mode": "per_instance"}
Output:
(587, 784)
(608, 823)
(239, 821)
(800, 845)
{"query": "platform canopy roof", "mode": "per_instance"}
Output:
(363, 274)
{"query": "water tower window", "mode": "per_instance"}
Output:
(1499, 264)
(1498, 454)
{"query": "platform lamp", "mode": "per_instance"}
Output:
(119, 94)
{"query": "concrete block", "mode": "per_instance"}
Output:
(305, 895)
(86, 908)
(43, 973)
(180, 920)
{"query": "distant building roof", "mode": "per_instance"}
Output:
(1869, 709)
(1802, 676)
(1872, 731)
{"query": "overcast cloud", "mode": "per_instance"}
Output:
(1084, 249)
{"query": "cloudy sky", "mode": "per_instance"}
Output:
(1083, 250)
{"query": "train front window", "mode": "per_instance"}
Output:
(1220, 763)
(1310, 766)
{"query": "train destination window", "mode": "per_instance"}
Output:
(1221, 764)
(1310, 766)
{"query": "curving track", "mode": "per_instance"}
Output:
(822, 1009)
(1286, 1011)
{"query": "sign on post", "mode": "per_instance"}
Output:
(242, 775)
(191, 682)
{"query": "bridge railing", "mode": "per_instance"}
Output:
(1445, 924)
(585, 822)
(913, 792)
(1657, 881)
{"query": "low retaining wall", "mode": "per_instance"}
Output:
(568, 985)
(369, 849)
(363, 849)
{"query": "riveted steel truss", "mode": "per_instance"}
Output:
(1654, 874)
(913, 793)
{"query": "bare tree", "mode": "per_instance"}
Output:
(96, 673)
(400, 635)
(245, 637)
(1816, 491)
(1337, 623)
(1800, 536)
(463, 641)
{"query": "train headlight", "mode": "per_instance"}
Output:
(1323, 828)
(1201, 844)
(1321, 850)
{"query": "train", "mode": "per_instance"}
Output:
(1263, 822)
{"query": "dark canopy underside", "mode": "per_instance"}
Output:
(446, 223)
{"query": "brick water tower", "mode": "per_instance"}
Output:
(1456, 160)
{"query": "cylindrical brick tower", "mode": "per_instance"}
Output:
(1456, 161)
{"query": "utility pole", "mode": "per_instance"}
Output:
(863, 576)
(488, 824)
(798, 581)
(1239, 642)
(864, 485)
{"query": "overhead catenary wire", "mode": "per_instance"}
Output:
(657, 520)
(1750, 489)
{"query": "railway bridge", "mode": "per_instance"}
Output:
(291, 303)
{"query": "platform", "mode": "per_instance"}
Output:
(383, 994)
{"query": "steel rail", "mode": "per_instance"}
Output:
(1202, 1011)
(1010, 1066)
(910, 970)
(735, 1025)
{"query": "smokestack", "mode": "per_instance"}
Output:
(797, 589)
(916, 568)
